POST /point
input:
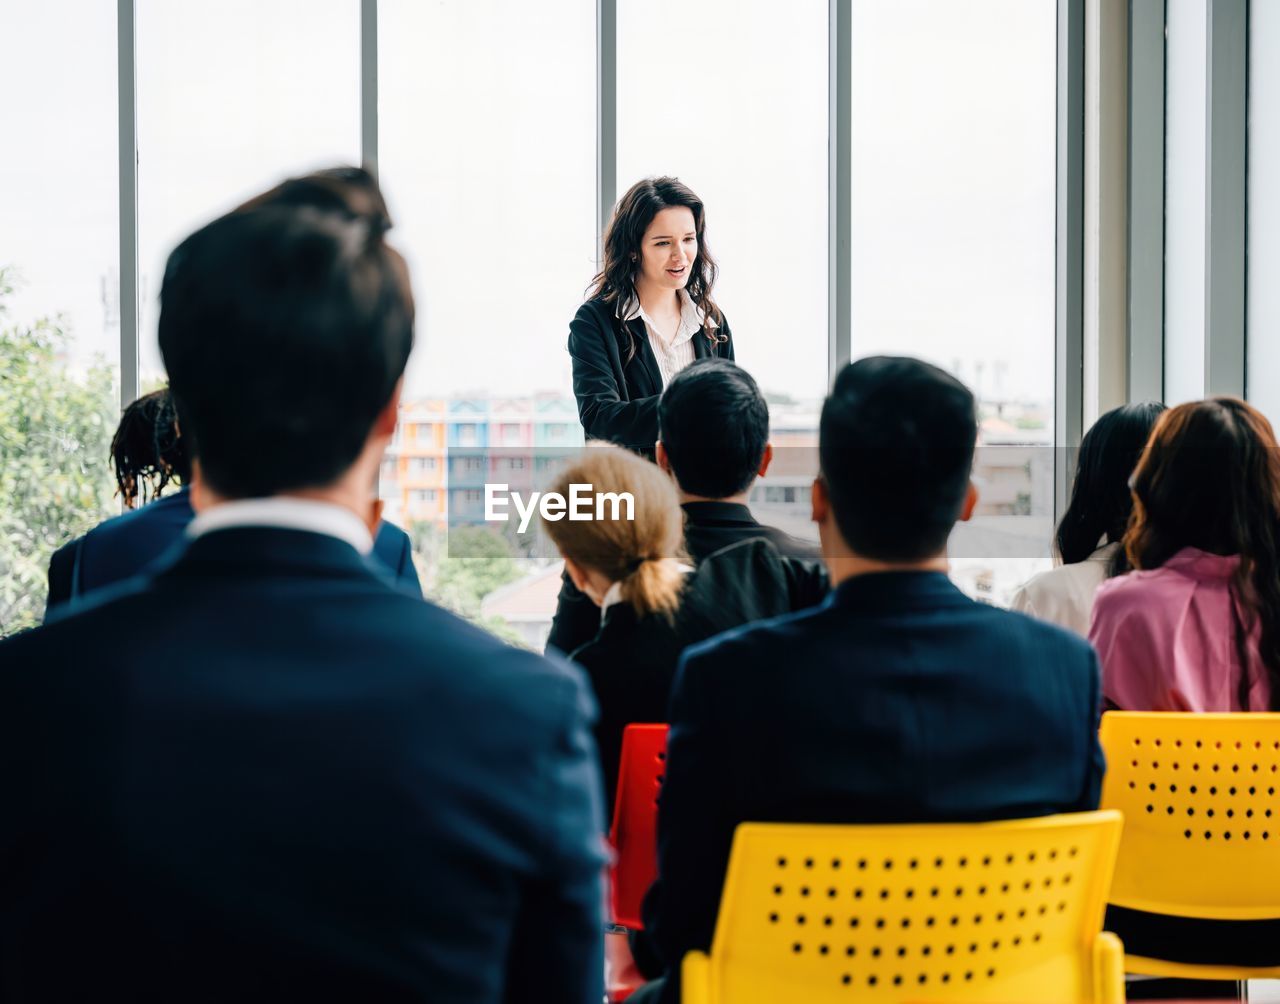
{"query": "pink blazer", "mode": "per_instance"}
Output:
(1166, 638)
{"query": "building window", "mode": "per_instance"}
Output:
(779, 495)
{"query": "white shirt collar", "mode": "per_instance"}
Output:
(691, 316)
(614, 593)
(289, 513)
(1104, 552)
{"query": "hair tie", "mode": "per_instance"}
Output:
(634, 566)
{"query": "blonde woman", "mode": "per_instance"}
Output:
(652, 603)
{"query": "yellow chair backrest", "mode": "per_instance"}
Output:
(1007, 911)
(1200, 795)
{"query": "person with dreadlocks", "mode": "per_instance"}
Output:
(147, 452)
(149, 455)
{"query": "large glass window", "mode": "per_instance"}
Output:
(232, 98)
(731, 97)
(953, 237)
(734, 103)
(1263, 301)
(487, 156)
(59, 289)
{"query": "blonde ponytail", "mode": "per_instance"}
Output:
(654, 587)
(642, 554)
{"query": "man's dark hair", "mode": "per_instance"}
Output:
(285, 326)
(896, 445)
(714, 425)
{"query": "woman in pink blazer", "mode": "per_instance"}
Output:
(1197, 626)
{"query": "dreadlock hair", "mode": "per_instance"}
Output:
(147, 452)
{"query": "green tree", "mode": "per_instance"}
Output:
(463, 565)
(476, 562)
(55, 436)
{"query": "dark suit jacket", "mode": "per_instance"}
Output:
(632, 659)
(617, 396)
(267, 774)
(897, 700)
(708, 527)
(123, 546)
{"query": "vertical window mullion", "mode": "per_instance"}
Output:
(1069, 291)
(1146, 200)
(369, 84)
(839, 127)
(126, 64)
(1224, 344)
(606, 115)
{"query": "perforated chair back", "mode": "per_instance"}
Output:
(1200, 795)
(994, 912)
(635, 821)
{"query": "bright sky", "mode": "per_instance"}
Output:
(487, 157)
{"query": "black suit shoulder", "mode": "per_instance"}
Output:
(596, 312)
(62, 564)
(828, 633)
(751, 581)
(792, 547)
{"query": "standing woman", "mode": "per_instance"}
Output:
(648, 315)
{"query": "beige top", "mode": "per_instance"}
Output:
(674, 355)
(1064, 595)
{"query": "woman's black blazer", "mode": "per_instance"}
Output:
(617, 397)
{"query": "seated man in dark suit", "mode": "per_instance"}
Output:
(897, 700)
(149, 450)
(262, 772)
(714, 428)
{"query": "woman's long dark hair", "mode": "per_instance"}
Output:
(147, 451)
(615, 282)
(1100, 498)
(1210, 479)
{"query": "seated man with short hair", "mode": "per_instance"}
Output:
(713, 425)
(897, 700)
(262, 772)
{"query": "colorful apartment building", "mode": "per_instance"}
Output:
(445, 451)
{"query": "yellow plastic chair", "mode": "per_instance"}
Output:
(1200, 795)
(994, 912)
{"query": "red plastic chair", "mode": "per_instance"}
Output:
(635, 821)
